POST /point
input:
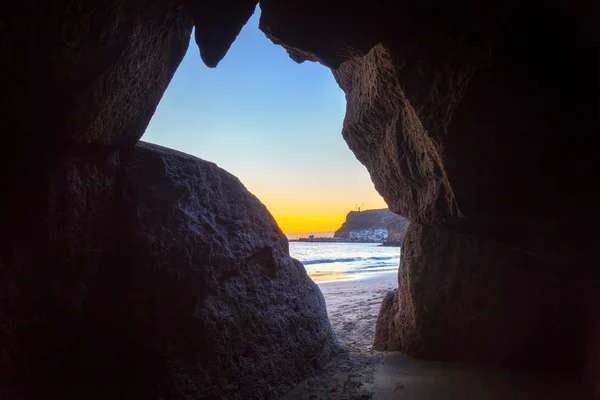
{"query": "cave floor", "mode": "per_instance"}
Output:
(359, 373)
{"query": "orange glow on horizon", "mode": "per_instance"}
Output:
(305, 201)
(302, 224)
(295, 217)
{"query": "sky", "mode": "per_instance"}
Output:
(274, 124)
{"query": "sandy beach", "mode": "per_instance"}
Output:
(359, 373)
(353, 305)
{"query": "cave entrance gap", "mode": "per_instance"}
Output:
(276, 125)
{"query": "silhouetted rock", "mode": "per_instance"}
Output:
(477, 121)
(463, 298)
(148, 273)
(442, 111)
(217, 24)
(99, 71)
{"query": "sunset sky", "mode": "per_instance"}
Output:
(274, 124)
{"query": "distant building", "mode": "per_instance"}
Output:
(311, 238)
(368, 234)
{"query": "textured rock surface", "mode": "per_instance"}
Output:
(386, 134)
(463, 298)
(474, 118)
(148, 273)
(396, 231)
(89, 71)
(444, 113)
(80, 72)
(466, 122)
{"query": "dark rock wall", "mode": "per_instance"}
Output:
(90, 72)
(148, 273)
(476, 120)
(464, 298)
(217, 24)
(82, 76)
(134, 272)
(461, 115)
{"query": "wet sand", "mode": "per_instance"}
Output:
(359, 373)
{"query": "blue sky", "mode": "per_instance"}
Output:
(273, 123)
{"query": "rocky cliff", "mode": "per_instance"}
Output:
(374, 223)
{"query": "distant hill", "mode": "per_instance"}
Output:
(380, 224)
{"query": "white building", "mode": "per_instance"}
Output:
(368, 234)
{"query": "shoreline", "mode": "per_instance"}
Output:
(316, 240)
(353, 306)
(349, 276)
(358, 372)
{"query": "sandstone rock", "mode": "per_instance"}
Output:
(148, 273)
(467, 299)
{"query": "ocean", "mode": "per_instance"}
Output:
(325, 262)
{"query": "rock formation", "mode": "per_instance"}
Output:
(460, 117)
(396, 231)
(461, 298)
(448, 121)
(178, 284)
(476, 121)
(391, 226)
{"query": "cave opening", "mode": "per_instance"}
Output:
(276, 125)
(130, 270)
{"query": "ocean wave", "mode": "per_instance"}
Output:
(378, 267)
(348, 260)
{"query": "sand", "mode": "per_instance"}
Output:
(353, 305)
(359, 373)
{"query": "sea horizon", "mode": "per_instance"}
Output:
(297, 235)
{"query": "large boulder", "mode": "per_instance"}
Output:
(148, 273)
(468, 299)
